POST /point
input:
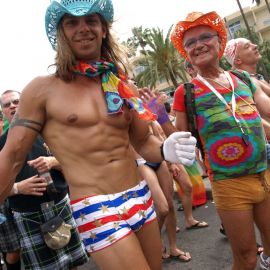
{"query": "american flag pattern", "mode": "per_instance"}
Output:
(104, 219)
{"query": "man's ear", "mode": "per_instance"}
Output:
(237, 61)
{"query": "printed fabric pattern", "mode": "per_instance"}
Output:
(115, 90)
(226, 154)
(104, 219)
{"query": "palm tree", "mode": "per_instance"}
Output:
(161, 61)
(245, 20)
(139, 37)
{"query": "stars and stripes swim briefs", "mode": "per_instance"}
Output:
(104, 219)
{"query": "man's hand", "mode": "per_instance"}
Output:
(155, 102)
(41, 164)
(179, 147)
(34, 185)
(174, 169)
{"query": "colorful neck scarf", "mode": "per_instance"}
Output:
(115, 90)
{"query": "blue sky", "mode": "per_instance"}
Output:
(26, 53)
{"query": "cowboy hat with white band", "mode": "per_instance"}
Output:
(58, 8)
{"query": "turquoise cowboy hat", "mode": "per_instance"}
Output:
(58, 8)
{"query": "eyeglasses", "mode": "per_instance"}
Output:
(13, 101)
(203, 38)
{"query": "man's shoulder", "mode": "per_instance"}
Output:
(40, 83)
(39, 88)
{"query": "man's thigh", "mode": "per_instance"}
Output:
(262, 219)
(127, 253)
(166, 181)
(150, 240)
(239, 226)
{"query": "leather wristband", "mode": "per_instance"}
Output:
(162, 152)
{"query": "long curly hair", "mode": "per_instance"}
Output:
(111, 50)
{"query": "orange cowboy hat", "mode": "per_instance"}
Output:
(211, 19)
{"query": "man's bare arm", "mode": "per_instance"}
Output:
(22, 134)
(181, 122)
(11, 160)
(262, 102)
(265, 86)
(143, 141)
(34, 125)
(266, 126)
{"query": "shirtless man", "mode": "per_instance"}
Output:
(243, 55)
(84, 113)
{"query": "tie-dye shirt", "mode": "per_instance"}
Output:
(226, 154)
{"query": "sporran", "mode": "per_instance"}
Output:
(56, 233)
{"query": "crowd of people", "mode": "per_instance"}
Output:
(96, 181)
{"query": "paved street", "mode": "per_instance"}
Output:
(209, 249)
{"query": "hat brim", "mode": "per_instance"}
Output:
(56, 11)
(211, 19)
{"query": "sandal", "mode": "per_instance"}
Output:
(198, 225)
(181, 257)
(222, 230)
(165, 255)
(259, 248)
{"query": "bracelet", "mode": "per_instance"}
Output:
(161, 152)
(15, 189)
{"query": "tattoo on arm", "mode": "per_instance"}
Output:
(36, 126)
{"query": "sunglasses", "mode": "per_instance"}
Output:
(13, 101)
(203, 38)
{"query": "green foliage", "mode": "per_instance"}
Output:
(224, 64)
(265, 52)
(159, 58)
(244, 34)
(139, 38)
(258, 2)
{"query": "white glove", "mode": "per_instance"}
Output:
(179, 147)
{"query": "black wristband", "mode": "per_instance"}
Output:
(161, 152)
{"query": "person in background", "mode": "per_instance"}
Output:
(231, 131)
(32, 202)
(190, 186)
(9, 242)
(222, 104)
(244, 56)
(191, 71)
